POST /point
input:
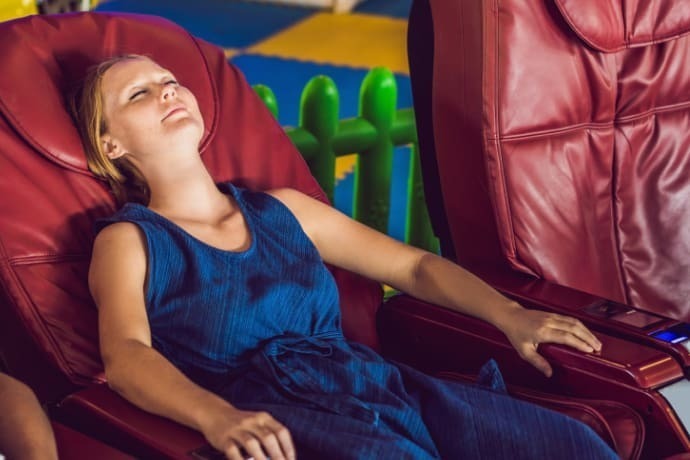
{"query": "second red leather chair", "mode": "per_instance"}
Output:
(554, 139)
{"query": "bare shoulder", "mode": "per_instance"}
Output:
(290, 197)
(121, 241)
(298, 202)
(124, 238)
(119, 253)
(119, 232)
(308, 211)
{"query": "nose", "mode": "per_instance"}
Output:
(168, 92)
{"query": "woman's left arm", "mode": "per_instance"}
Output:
(353, 246)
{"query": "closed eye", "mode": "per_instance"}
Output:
(134, 96)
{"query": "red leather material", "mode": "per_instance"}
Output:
(565, 162)
(437, 340)
(541, 294)
(73, 445)
(616, 423)
(611, 25)
(50, 201)
(100, 411)
(620, 361)
(52, 78)
(621, 427)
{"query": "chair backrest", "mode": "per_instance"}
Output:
(555, 139)
(49, 200)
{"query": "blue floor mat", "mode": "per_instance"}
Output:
(393, 8)
(227, 23)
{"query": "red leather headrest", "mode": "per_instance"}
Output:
(52, 67)
(612, 25)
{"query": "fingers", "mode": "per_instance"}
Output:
(584, 339)
(270, 443)
(535, 327)
(249, 443)
(563, 330)
(549, 335)
(534, 358)
(262, 437)
(232, 452)
(253, 447)
(283, 440)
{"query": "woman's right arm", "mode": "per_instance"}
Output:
(145, 377)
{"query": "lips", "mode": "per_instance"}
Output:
(173, 111)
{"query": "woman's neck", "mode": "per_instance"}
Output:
(187, 191)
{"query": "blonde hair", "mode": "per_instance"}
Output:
(124, 178)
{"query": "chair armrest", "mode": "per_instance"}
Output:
(597, 312)
(436, 339)
(73, 445)
(103, 414)
(424, 334)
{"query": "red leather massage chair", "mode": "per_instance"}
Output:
(555, 140)
(49, 201)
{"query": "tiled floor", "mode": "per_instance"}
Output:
(283, 47)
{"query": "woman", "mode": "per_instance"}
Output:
(25, 432)
(215, 308)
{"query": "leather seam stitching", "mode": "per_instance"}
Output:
(45, 259)
(591, 125)
(513, 253)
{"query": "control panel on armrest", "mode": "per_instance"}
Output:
(612, 318)
(614, 311)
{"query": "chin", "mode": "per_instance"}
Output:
(186, 134)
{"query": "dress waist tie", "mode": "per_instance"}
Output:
(278, 359)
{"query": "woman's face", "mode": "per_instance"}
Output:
(147, 112)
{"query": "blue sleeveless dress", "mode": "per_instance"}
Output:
(262, 329)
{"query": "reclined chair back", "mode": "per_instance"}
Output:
(49, 199)
(555, 140)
